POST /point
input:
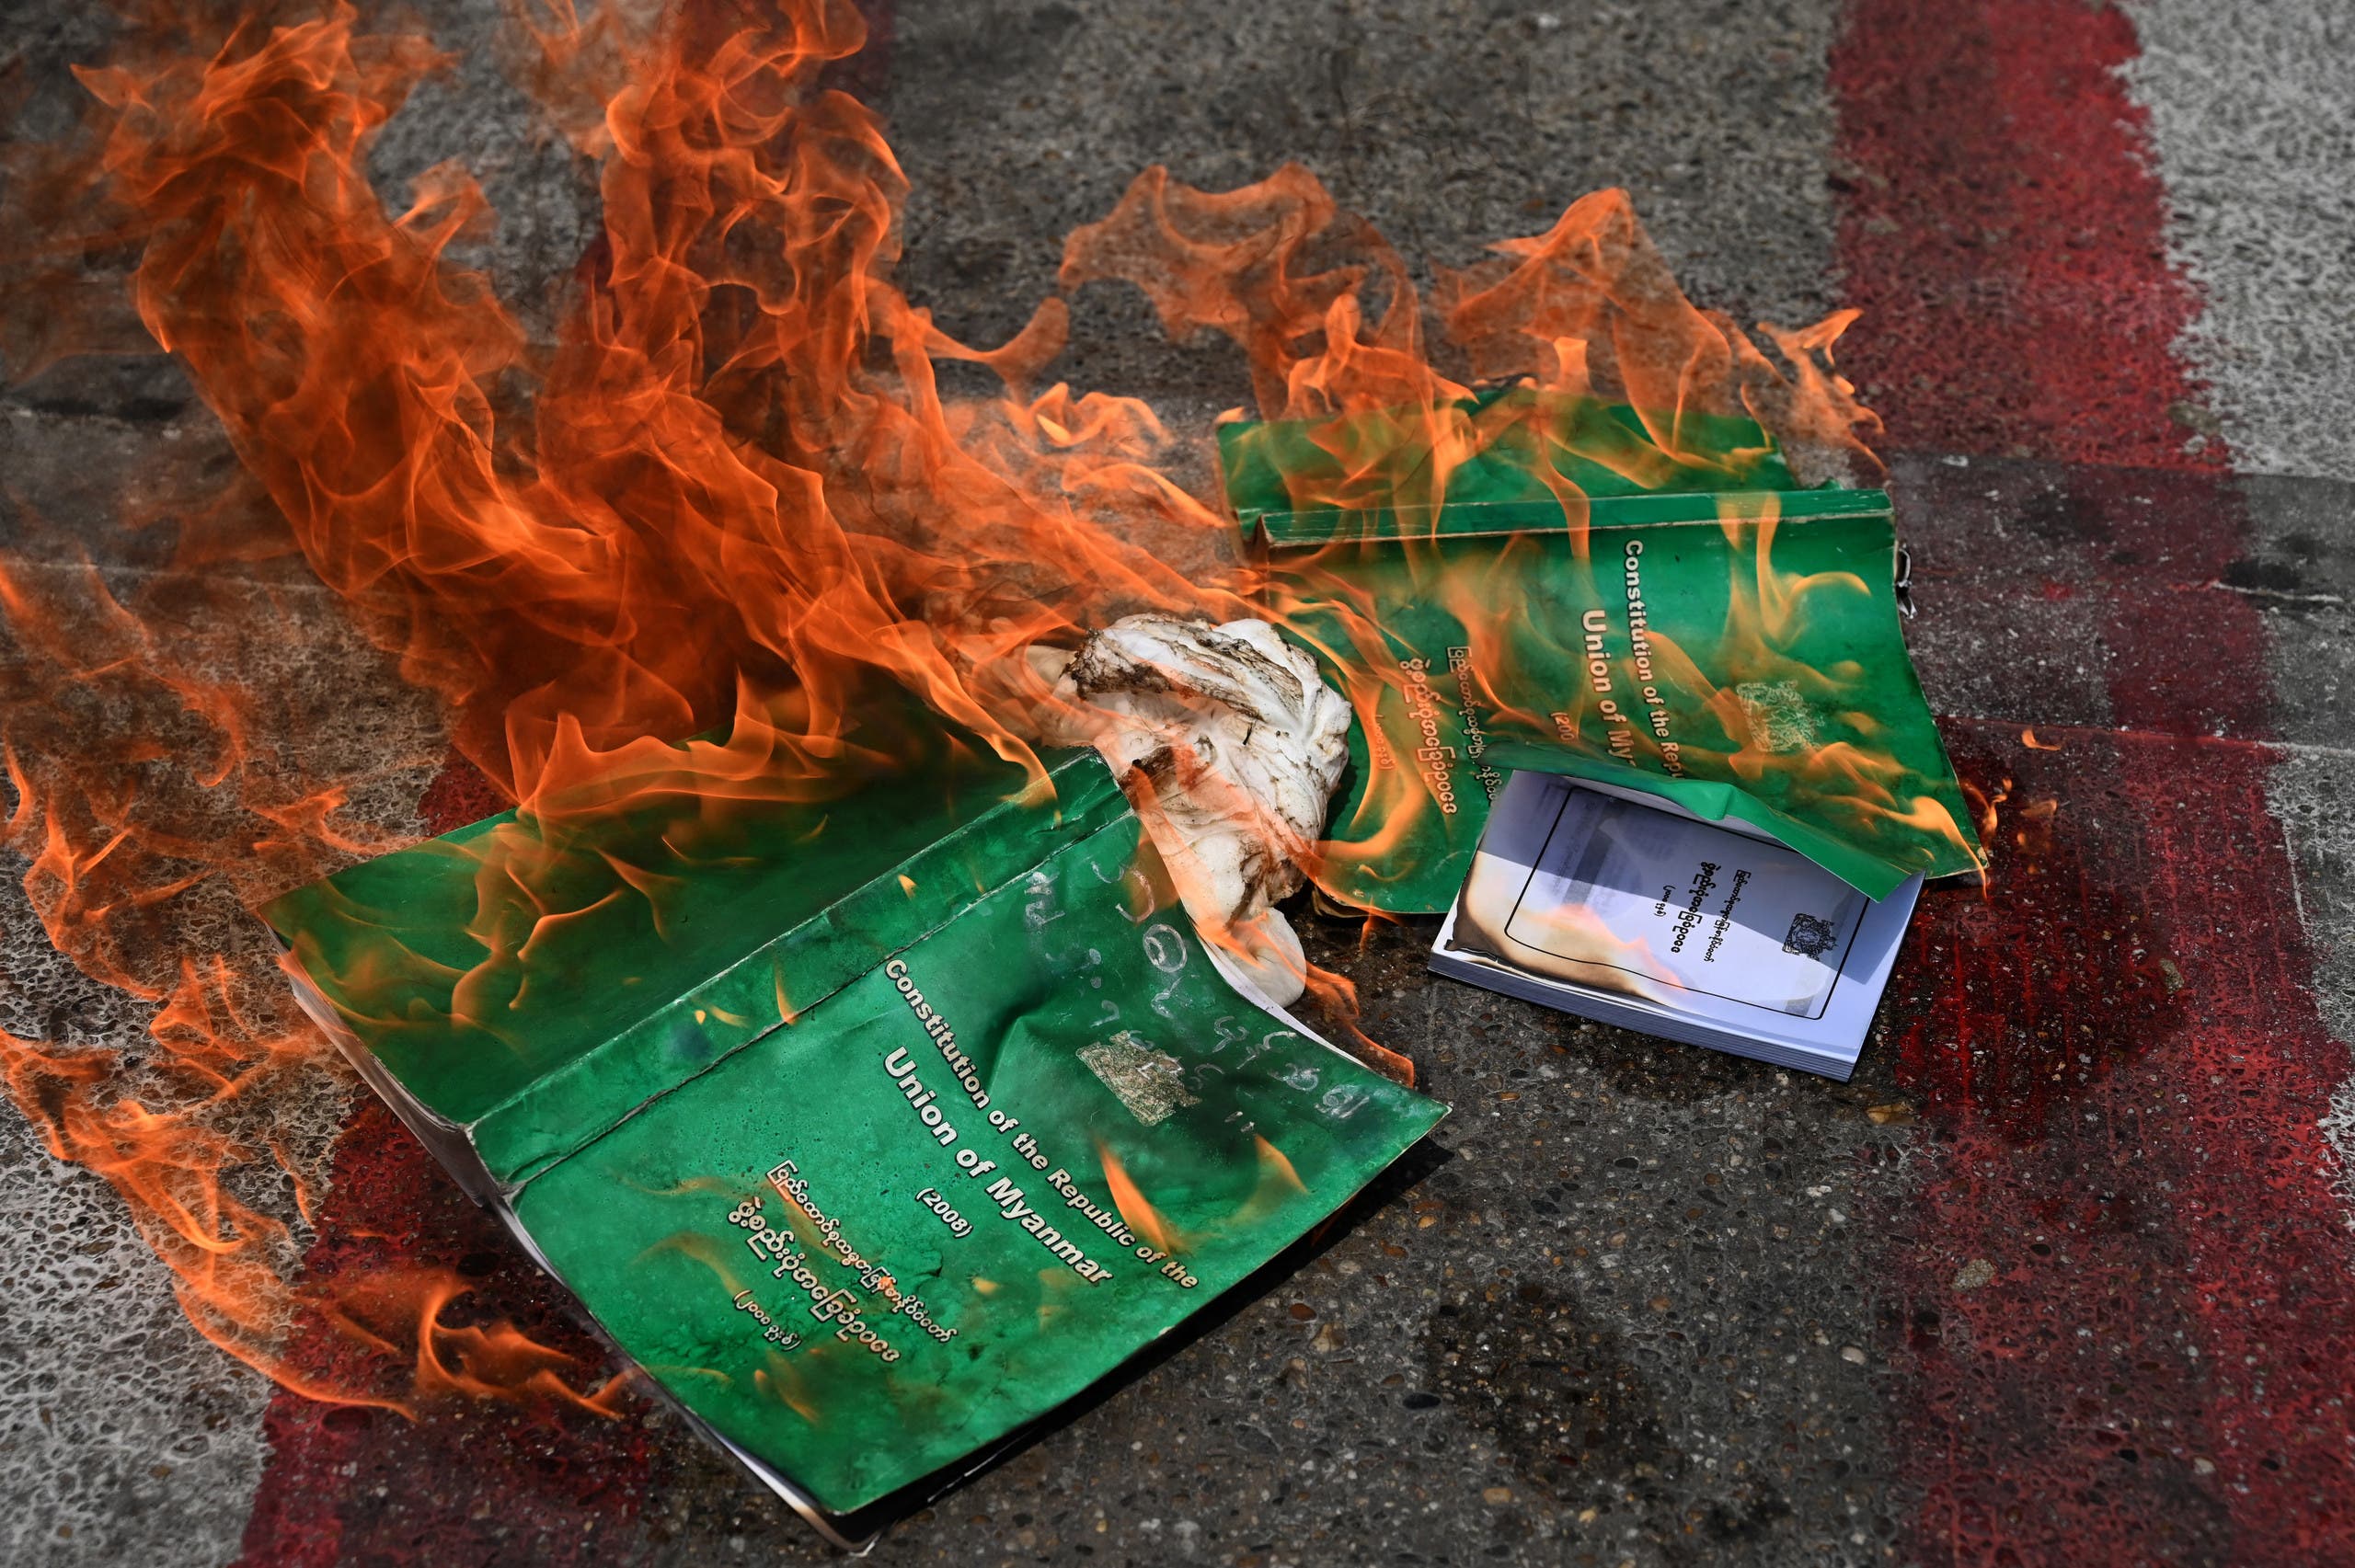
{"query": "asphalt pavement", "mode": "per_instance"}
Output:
(2066, 1274)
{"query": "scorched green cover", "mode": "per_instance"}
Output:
(873, 1128)
(1569, 600)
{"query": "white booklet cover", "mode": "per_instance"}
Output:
(1617, 906)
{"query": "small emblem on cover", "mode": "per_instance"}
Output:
(1146, 1079)
(1812, 936)
(1779, 718)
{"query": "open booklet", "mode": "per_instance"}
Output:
(873, 1128)
(1614, 904)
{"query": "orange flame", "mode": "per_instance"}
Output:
(1278, 1184)
(729, 499)
(1136, 1211)
(405, 1311)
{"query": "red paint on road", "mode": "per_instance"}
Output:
(2125, 1282)
(2124, 1262)
(459, 794)
(470, 1481)
(2003, 235)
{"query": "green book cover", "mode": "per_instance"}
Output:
(873, 1128)
(1567, 599)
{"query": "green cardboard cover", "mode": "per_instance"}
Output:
(875, 1128)
(1697, 628)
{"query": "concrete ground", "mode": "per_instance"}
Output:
(2065, 1276)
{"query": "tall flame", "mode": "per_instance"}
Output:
(731, 499)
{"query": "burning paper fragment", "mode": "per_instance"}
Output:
(1231, 746)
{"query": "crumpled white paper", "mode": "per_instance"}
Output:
(1239, 747)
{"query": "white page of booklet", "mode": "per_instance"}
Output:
(1618, 905)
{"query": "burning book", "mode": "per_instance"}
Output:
(1727, 641)
(1696, 663)
(873, 1125)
